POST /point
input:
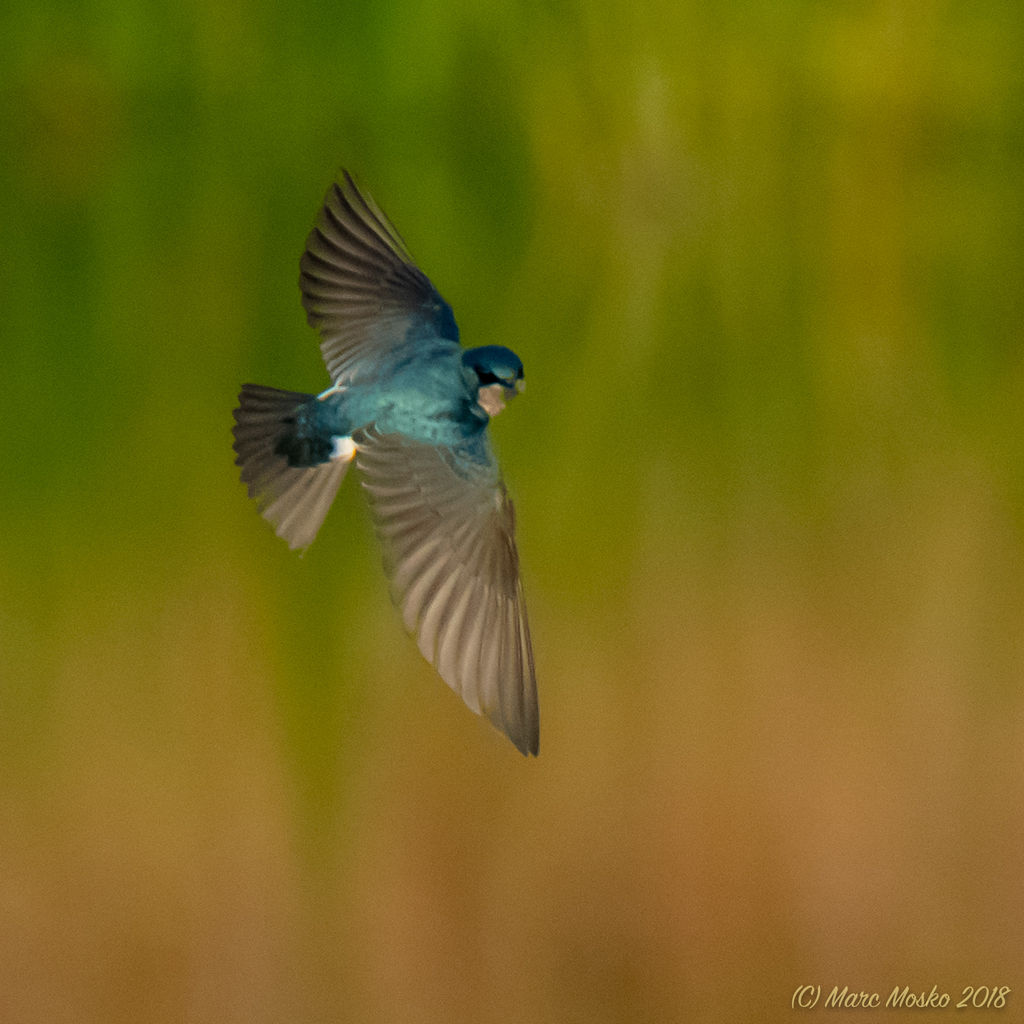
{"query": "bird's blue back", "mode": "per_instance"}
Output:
(426, 398)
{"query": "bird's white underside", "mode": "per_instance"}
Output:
(344, 448)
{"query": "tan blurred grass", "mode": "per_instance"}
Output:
(755, 775)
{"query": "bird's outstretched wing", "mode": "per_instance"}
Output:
(362, 291)
(447, 528)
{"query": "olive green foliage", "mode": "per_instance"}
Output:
(764, 265)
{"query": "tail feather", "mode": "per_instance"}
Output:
(293, 498)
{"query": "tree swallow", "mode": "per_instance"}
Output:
(411, 407)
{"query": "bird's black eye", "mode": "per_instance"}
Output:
(486, 377)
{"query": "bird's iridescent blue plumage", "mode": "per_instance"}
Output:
(411, 406)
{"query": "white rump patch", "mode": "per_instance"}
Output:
(344, 448)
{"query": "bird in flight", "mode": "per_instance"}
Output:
(411, 407)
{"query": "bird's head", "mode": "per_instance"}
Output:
(497, 372)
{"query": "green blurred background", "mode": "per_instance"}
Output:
(764, 264)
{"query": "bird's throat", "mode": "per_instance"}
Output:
(491, 398)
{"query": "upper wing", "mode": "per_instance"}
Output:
(447, 527)
(362, 291)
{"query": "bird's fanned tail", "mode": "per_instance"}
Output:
(292, 496)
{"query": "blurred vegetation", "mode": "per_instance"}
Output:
(764, 266)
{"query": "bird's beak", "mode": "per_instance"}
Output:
(520, 385)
